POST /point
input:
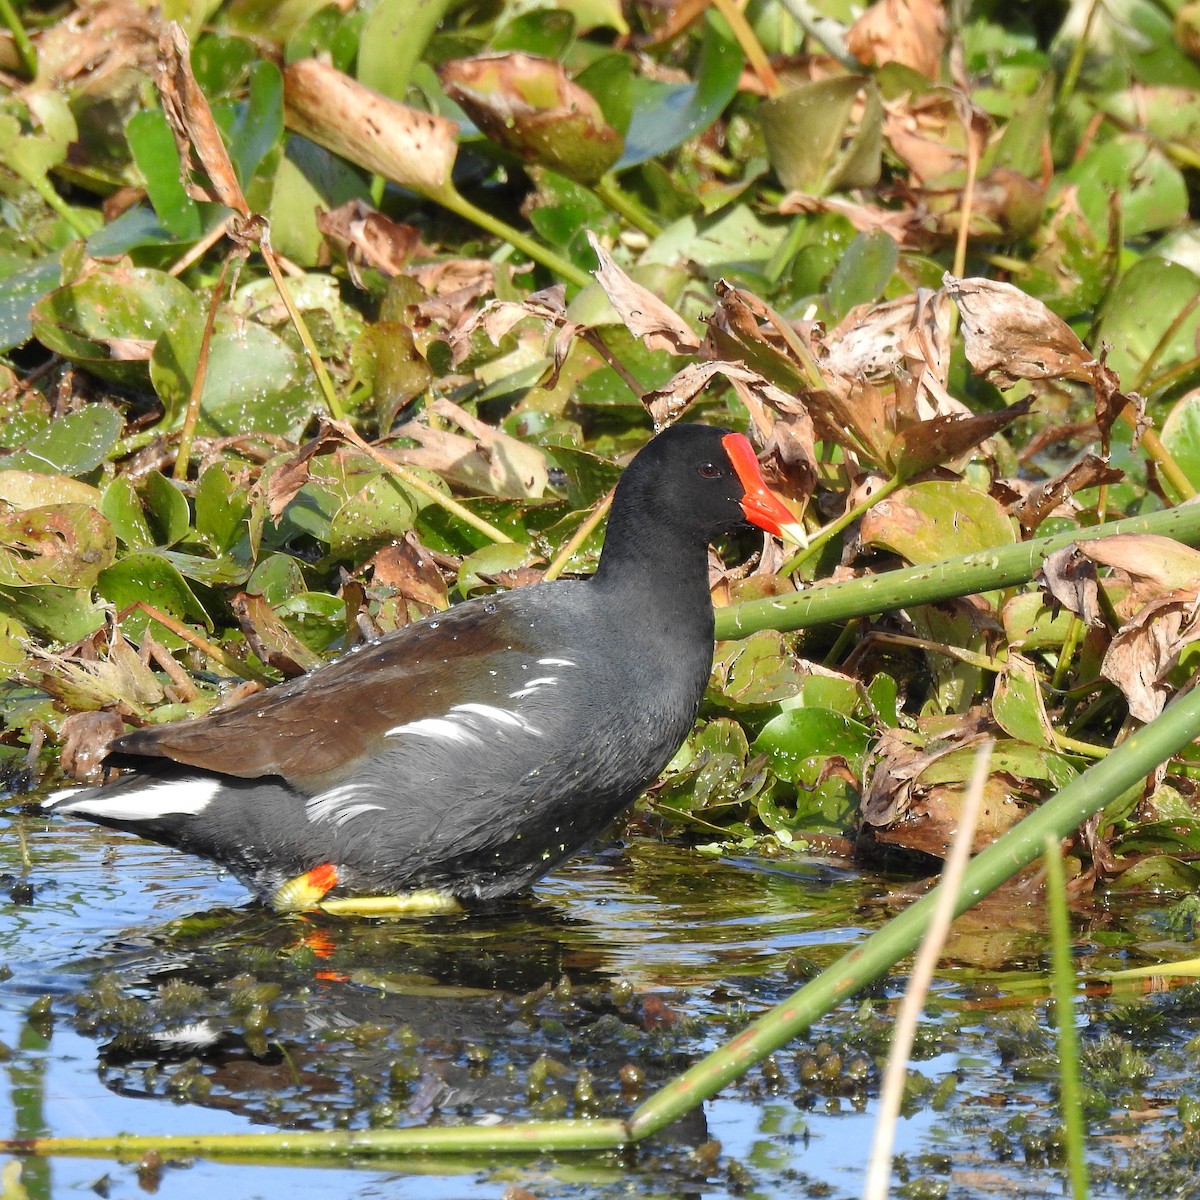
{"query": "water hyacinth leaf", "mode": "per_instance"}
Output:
(36, 128)
(757, 670)
(157, 158)
(1017, 703)
(146, 575)
(380, 513)
(798, 741)
(257, 126)
(392, 42)
(1152, 190)
(254, 380)
(386, 358)
(805, 128)
(665, 115)
(133, 230)
(122, 505)
(60, 614)
(30, 489)
(307, 180)
(529, 106)
(610, 80)
(109, 320)
(586, 476)
(862, 272)
(277, 578)
(166, 509)
(936, 519)
(221, 509)
(66, 545)
(479, 569)
(1181, 436)
(72, 445)
(1141, 311)
(545, 32)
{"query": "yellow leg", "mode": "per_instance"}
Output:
(419, 904)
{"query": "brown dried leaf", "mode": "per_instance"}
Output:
(413, 148)
(1038, 503)
(1069, 578)
(943, 439)
(1017, 337)
(911, 32)
(269, 638)
(368, 238)
(290, 476)
(644, 314)
(1145, 649)
(85, 738)
(1161, 561)
(408, 569)
(488, 461)
(120, 681)
(1111, 401)
(191, 121)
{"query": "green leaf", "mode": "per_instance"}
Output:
(804, 130)
(610, 80)
(1017, 703)
(258, 126)
(221, 509)
(392, 42)
(60, 614)
(123, 507)
(167, 509)
(109, 320)
(863, 272)
(375, 516)
(1152, 191)
(157, 158)
(255, 381)
(938, 519)
(148, 576)
(546, 32)
(665, 115)
(72, 445)
(1142, 309)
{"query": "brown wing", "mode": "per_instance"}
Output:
(313, 729)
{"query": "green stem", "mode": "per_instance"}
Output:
(45, 189)
(1070, 1096)
(831, 530)
(533, 1137)
(985, 570)
(1172, 471)
(21, 40)
(298, 323)
(611, 193)
(450, 198)
(1060, 816)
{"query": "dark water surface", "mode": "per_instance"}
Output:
(145, 995)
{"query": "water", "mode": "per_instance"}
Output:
(147, 996)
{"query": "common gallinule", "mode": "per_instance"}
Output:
(467, 754)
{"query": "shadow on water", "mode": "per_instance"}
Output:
(142, 993)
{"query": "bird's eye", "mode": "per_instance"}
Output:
(709, 470)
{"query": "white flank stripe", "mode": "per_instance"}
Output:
(435, 727)
(177, 798)
(532, 686)
(557, 662)
(501, 716)
(56, 798)
(354, 810)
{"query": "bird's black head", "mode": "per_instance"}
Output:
(687, 486)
